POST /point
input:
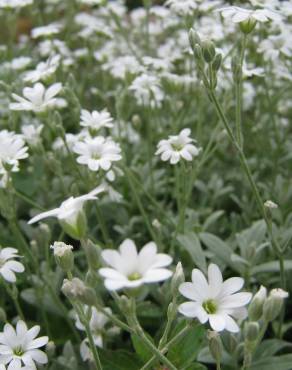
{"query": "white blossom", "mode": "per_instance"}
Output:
(97, 153)
(70, 208)
(43, 70)
(8, 265)
(12, 149)
(130, 269)
(96, 120)
(239, 15)
(147, 90)
(21, 346)
(38, 98)
(214, 300)
(14, 4)
(178, 147)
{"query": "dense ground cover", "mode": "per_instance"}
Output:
(145, 185)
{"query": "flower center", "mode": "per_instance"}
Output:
(134, 276)
(18, 351)
(177, 146)
(210, 306)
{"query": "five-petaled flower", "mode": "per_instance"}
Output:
(214, 300)
(130, 269)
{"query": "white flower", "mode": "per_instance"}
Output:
(239, 15)
(214, 300)
(182, 7)
(20, 63)
(98, 152)
(178, 147)
(147, 90)
(129, 269)
(69, 209)
(97, 322)
(38, 98)
(20, 346)
(43, 70)
(96, 120)
(12, 149)
(49, 30)
(8, 266)
(31, 133)
(14, 4)
(61, 249)
(122, 66)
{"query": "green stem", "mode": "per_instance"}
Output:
(165, 349)
(238, 95)
(253, 185)
(14, 296)
(85, 322)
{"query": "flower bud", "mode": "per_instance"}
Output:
(273, 304)
(255, 309)
(75, 289)
(194, 38)
(177, 279)
(45, 232)
(50, 349)
(63, 255)
(93, 254)
(216, 64)
(171, 311)
(215, 345)
(58, 126)
(251, 331)
(248, 25)
(209, 52)
(270, 204)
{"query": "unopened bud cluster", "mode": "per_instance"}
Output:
(208, 60)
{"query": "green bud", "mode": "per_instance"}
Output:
(216, 64)
(177, 279)
(63, 255)
(251, 331)
(58, 125)
(255, 309)
(45, 233)
(248, 25)
(198, 53)
(93, 254)
(209, 52)
(215, 345)
(75, 289)
(136, 120)
(273, 304)
(125, 304)
(194, 38)
(51, 349)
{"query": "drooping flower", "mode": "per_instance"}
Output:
(178, 147)
(21, 346)
(214, 300)
(97, 153)
(130, 269)
(38, 98)
(8, 265)
(12, 149)
(96, 120)
(70, 208)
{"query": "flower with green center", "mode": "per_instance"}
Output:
(178, 147)
(21, 347)
(129, 269)
(214, 300)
